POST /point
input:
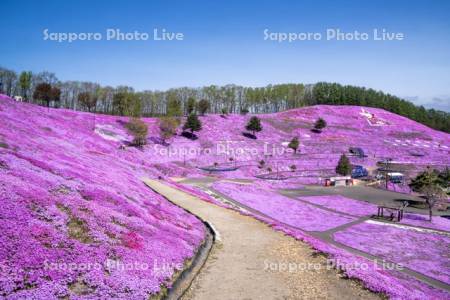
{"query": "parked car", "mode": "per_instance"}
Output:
(359, 171)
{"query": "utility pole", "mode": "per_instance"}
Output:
(387, 168)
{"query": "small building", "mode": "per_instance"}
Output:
(339, 181)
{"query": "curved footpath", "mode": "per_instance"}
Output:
(249, 260)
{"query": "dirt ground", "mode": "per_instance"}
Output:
(252, 261)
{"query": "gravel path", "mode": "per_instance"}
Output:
(252, 261)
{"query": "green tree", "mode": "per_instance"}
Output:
(120, 103)
(55, 94)
(244, 111)
(190, 106)
(127, 103)
(134, 105)
(444, 178)
(173, 105)
(344, 167)
(87, 100)
(167, 127)
(192, 123)
(139, 130)
(43, 92)
(254, 125)
(320, 124)
(203, 106)
(429, 184)
(25, 83)
(294, 144)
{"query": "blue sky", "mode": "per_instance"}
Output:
(224, 43)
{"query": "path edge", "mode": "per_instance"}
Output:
(183, 280)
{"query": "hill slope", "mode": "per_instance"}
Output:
(71, 193)
(75, 218)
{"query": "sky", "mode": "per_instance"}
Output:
(224, 42)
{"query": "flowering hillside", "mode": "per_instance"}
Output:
(75, 218)
(77, 221)
(221, 141)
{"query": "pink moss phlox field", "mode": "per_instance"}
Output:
(343, 204)
(437, 222)
(392, 283)
(281, 208)
(71, 194)
(75, 216)
(395, 284)
(221, 139)
(424, 252)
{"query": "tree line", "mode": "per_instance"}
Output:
(124, 100)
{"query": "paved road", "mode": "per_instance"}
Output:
(250, 260)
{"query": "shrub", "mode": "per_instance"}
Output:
(139, 130)
(320, 124)
(293, 144)
(167, 127)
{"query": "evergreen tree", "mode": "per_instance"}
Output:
(192, 123)
(294, 144)
(320, 124)
(344, 166)
(254, 125)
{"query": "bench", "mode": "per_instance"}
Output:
(392, 210)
